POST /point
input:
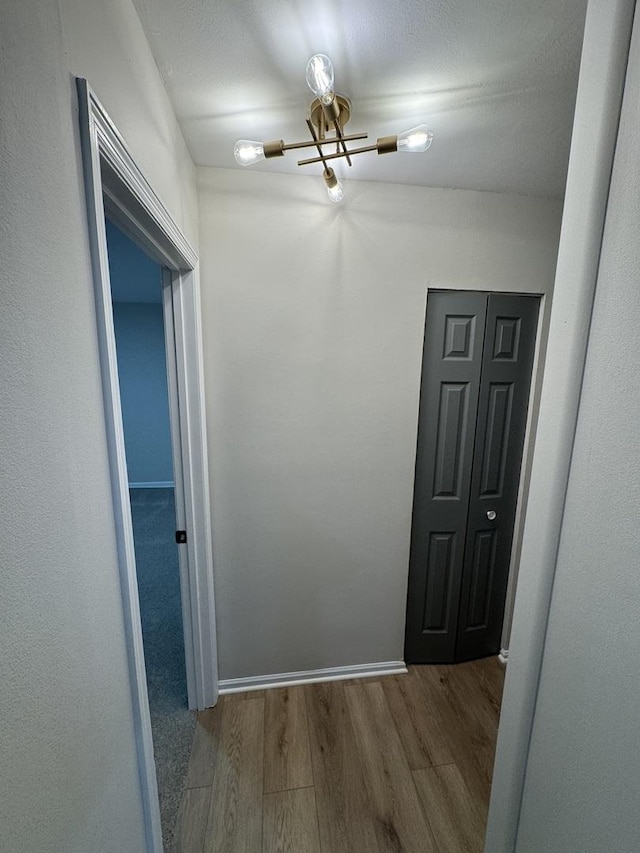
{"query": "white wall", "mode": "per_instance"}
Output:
(313, 324)
(70, 779)
(583, 773)
(599, 97)
(105, 43)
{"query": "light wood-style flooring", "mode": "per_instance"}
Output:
(400, 764)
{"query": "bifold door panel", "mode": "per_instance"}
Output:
(476, 374)
(448, 411)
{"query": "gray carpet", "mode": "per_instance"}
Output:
(172, 723)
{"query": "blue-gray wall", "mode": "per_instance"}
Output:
(136, 286)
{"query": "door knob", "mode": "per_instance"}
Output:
(491, 514)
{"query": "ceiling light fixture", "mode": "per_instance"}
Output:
(328, 115)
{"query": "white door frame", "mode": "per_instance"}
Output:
(114, 181)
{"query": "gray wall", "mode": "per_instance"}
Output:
(313, 323)
(583, 772)
(69, 774)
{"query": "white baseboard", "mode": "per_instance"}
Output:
(309, 676)
(503, 657)
(156, 484)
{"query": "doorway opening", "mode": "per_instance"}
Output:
(136, 294)
(115, 187)
(476, 377)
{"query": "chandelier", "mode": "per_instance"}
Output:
(328, 115)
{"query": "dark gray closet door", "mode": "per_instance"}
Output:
(451, 367)
(476, 375)
(502, 418)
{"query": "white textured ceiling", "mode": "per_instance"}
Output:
(495, 81)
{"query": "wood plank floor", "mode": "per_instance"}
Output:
(399, 764)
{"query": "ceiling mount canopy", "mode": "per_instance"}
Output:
(328, 115)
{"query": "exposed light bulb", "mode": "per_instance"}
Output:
(336, 193)
(417, 139)
(320, 77)
(335, 190)
(247, 152)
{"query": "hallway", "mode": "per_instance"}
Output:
(381, 765)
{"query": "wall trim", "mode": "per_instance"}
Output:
(156, 484)
(309, 676)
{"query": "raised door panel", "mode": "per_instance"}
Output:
(453, 425)
(483, 561)
(439, 577)
(496, 442)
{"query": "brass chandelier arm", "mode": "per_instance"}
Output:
(278, 147)
(342, 142)
(313, 133)
(384, 145)
(325, 141)
(334, 116)
(336, 155)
